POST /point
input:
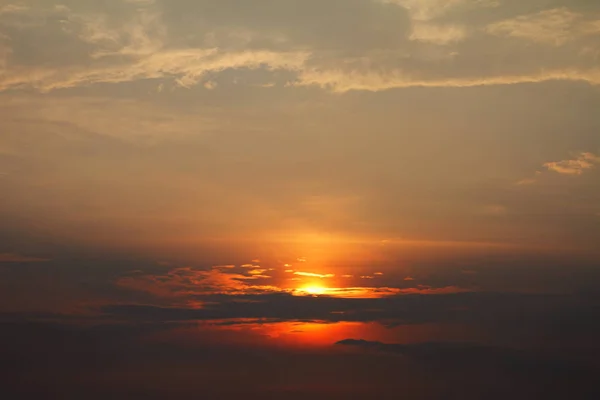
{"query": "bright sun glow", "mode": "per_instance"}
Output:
(313, 289)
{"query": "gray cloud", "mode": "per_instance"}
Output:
(361, 45)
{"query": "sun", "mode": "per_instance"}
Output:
(313, 289)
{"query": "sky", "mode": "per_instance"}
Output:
(325, 198)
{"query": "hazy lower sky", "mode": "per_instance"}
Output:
(185, 153)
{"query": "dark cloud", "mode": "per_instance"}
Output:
(147, 361)
(461, 354)
(539, 345)
(505, 318)
(513, 365)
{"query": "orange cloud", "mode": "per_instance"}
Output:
(184, 282)
(421, 289)
(575, 166)
(183, 285)
(257, 271)
(310, 274)
(375, 292)
(526, 181)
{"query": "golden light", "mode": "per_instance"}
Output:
(313, 289)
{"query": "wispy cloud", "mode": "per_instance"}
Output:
(142, 47)
(187, 67)
(425, 14)
(13, 9)
(187, 283)
(314, 275)
(137, 50)
(142, 35)
(438, 33)
(426, 10)
(576, 166)
(555, 27)
(355, 80)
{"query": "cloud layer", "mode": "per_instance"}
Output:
(396, 44)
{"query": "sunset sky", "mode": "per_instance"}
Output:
(326, 198)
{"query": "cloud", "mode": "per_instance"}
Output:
(528, 364)
(444, 350)
(464, 354)
(313, 275)
(13, 9)
(529, 181)
(342, 81)
(17, 258)
(5, 52)
(220, 354)
(526, 181)
(554, 27)
(257, 271)
(351, 292)
(577, 166)
(437, 34)
(136, 49)
(425, 13)
(88, 119)
(142, 35)
(426, 10)
(186, 284)
(141, 45)
(466, 309)
(187, 67)
(211, 85)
